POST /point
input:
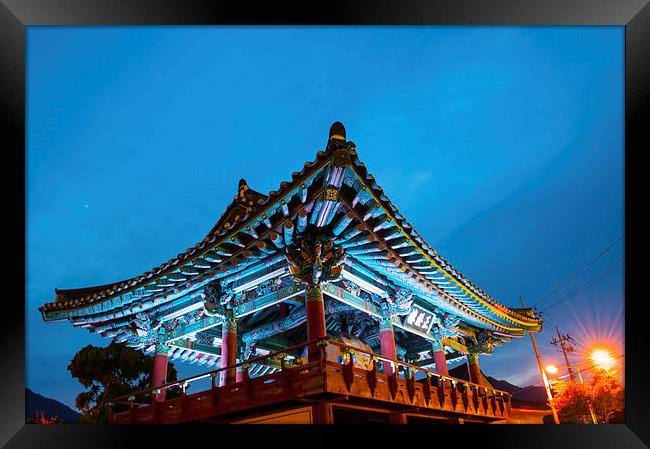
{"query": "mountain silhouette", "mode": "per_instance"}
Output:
(37, 405)
(531, 393)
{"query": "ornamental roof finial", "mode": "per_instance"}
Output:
(337, 131)
(242, 188)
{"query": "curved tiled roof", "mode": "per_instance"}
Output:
(249, 206)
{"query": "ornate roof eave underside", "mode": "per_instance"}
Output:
(380, 242)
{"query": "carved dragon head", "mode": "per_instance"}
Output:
(215, 299)
(315, 259)
(399, 305)
(146, 330)
(482, 342)
(445, 327)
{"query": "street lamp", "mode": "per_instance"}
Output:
(551, 369)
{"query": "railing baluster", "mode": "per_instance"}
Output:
(442, 385)
(484, 402)
(465, 394)
(393, 380)
(454, 394)
(475, 398)
(410, 383)
(372, 376)
(348, 370)
(426, 388)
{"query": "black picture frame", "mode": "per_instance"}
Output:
(16, 15)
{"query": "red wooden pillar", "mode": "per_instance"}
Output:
(159, 374)
(473, 368)
(228, 350)
(387, 339)
(440, 359)
(316, 327)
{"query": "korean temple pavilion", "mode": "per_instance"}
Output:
(314, 303)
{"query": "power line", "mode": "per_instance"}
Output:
(580, 271)
(582, 287)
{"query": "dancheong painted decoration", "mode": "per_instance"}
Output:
(317, 291)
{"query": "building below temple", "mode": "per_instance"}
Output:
(315, 303)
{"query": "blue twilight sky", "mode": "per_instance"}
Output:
(503, 146)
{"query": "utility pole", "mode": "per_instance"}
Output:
(564, 343)
(591, 408)
(547, 386)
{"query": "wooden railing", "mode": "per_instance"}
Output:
(433, 390)
(484, 400)
(154, 393)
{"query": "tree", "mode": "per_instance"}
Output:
(608, 395)
(108, 373)
(571, 401)
(605, 395)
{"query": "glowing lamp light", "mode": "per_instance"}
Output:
(602, 358)
(551, 369)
